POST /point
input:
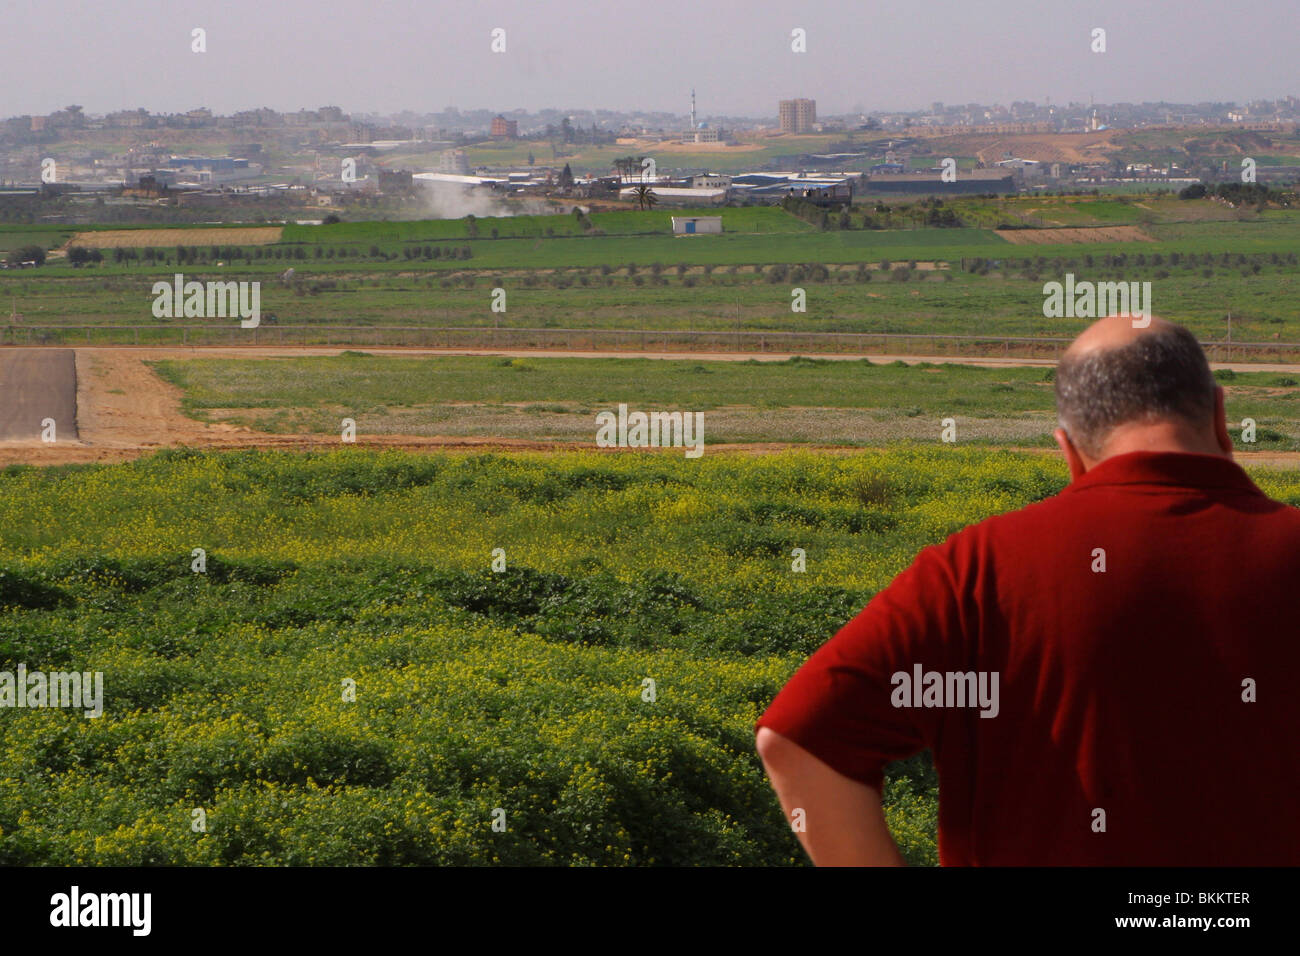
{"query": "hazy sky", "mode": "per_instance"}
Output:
(389, 55)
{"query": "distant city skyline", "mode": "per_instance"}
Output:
(1283, 109)
(390, 56)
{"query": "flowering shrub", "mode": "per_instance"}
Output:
(476, 691)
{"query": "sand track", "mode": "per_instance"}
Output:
(124, 410)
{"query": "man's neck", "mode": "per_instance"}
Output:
(1159, 438)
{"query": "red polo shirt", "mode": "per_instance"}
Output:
(1117, 690)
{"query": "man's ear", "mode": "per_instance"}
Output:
(1221, 422)
(1072, 456)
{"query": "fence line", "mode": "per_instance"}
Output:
(641, 340)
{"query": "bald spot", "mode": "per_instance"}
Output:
(1114, 331)
(1143, 430)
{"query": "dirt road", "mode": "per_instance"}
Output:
(288, 351)
(37, 386)
(116, 408)
(155, 353)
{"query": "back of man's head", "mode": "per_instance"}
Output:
(1115, 376)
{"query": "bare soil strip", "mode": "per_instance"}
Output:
(160, 238)
(123, 410)
(1074, 235)
(295, 351)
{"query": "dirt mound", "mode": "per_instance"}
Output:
(1045, 147)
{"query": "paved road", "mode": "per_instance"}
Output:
(36, 384)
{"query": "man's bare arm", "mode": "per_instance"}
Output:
(844, 823)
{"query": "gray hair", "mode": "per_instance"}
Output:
(1161, 375)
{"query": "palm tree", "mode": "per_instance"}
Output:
(645, 197)
(626, 166)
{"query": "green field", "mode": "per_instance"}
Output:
(823, 401)
(526, 691)
(624, 270)
(47, 237)
(522, 690)
(750, 220)
(1264, 305)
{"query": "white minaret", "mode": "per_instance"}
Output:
(692, 109)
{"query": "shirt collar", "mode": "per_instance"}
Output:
(1184, 469)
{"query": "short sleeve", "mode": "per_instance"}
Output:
(839, 705)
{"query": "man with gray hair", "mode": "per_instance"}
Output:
(1135, 632)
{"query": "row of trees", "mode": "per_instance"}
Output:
(629, 167)
(23, 254)
(79, 255)
(1238, 193)
(190, 255)
(1254, 261)
(930, 212)
(436, 252)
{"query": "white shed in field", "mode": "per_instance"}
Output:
(691, 225)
